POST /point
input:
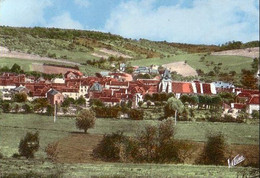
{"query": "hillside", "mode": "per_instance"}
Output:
(95, 51)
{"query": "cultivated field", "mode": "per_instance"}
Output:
(181, 68)
(5, 53)
(50, 69)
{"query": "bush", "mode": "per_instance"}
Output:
(6, 107)
(214, 151)
(1, 156)
(20, 97)
(29, 145)
(136, 114)
(85, 120)
(116, 147)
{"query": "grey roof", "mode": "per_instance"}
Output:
(19, 88)
(96, 87)
(166, 75)
(220, 84)
(53, 92)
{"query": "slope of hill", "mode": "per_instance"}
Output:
(70, 47)
(247, 52)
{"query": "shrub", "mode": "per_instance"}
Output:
(136, 114)
(214, 151)
(29, 145)
(85, 120)
(116, 147)
(6, 107)
(20, 97)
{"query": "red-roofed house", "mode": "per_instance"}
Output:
(253, 104)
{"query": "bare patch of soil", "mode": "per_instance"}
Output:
(4, 52)
(114, 53)
(247, 52)
(77, 148)
(181, 68)
(50, 69)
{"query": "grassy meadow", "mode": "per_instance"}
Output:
(229, 63)
(13, 127)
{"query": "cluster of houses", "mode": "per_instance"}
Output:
(115, 87)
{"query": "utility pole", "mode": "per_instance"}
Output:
(55, 113)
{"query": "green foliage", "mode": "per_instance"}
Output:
(214, 151)
(16, 69)
(29, 145)
(173, 105)
(81, 101)
(49, 110)
(96, 102)
(248, 79)
(27, 108)
(67, 102)
(40, 104)
(136, 114)
(107, 112)
(20, 97)
(116, 147)
(85, 120)
(255, 114)
(6, 107)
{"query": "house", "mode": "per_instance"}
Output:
(54, 97)
(20, 89)
(253, 104)
(73, 75)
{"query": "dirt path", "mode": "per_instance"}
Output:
(181, 68)
(4, 52)
(247, 52)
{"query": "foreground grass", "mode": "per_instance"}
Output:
(13, 127)
(38, 168)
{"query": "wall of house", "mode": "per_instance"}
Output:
(253, 107)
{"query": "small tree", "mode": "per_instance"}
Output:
(29, 145)
(85, 120)
(173, 106)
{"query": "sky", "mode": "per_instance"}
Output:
(183, 21)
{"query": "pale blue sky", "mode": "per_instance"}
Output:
(185, 21)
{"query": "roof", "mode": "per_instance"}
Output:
(166, 75)
(181, 87)
(254, 100)
(239, 106)
(53, 92)
(96, 87)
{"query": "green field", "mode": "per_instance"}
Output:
(14, 126)
(12, 167)
(229, 63)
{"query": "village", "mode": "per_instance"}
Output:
(115, 88)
